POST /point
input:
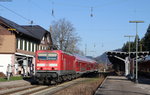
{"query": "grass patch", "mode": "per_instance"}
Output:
(11, 78)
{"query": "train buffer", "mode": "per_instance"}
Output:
(120, 85)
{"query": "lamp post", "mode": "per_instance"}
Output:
(136, 47)
(129, 36)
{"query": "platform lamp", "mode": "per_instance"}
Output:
(129, 36)
(136, 77)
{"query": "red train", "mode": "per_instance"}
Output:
(58, 66)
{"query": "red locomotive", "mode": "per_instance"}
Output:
(56, 65)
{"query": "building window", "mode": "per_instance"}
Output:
(43, 40)
(21, 44)
(44, 48)
(48, 40)
(32, 47)
(40, 47)
(27, 47)
(37, 47)
(18, 43)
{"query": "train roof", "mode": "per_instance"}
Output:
(77, 56)
(83, 58)
(58, 51)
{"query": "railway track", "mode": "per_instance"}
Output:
(40, 89)
(57, 88)
(18, 89)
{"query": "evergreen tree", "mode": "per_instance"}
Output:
(125, 47)
(143, 44)
(146, 40)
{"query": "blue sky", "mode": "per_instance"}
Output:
(106, 29)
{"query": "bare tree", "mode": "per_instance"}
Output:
(64, 36)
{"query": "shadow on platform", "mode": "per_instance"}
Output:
(143, 80)
(126, 92)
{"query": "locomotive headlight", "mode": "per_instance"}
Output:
(38, 68)
(53, 65)
(40, 64)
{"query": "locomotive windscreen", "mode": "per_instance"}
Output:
(47, 56)
(52, 56)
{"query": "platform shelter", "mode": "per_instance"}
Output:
(124, 62)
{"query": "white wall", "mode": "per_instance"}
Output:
(6, 59)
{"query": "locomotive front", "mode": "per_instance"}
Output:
(47, 66)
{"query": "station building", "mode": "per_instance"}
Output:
(18, 44)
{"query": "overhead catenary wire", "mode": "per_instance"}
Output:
(52, 9)
(51, 12)
(39, 7)
(91, 12)
(97, 5)
(31, 21)
(15, 13)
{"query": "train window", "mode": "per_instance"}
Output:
(47, 56)
(52, 56)
(42, 56)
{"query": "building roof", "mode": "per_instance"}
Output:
(34, 31)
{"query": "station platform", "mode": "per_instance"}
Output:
(120, 85)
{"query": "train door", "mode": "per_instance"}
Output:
(80, 64)
(74, 65)
(64, 63)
